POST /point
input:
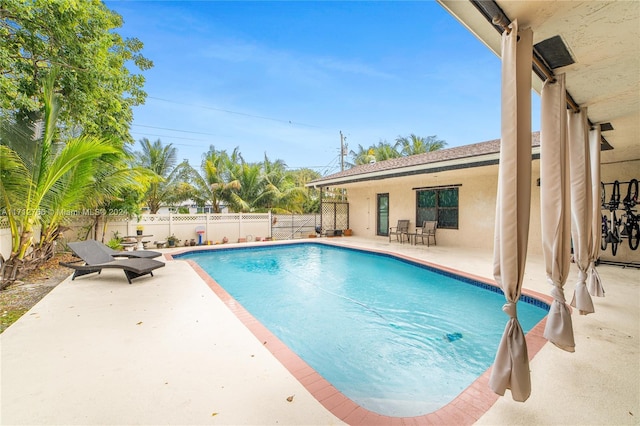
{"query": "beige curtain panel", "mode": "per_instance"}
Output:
(594, 283)
(511, 366)
(581, 205)
(555, 203)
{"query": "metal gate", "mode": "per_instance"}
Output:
(290, 226)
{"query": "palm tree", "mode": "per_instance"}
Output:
(362, 156)
(118, 188)
(41, 179)
(161, 160)
(210, 185)
(250, 191)
(413, 144)
(281, 193)
(311, 201)
(385, 151)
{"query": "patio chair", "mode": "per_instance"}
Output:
(143, 254)
(400, 231)
(428, 230)
(94, 259)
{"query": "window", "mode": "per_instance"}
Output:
(440, 205)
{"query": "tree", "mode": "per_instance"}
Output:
(380, 152)
(246, 197)
(78, 37)
(412, 144)
(362, 156)
(161, 160)
(210, 185)
(385, 151)
(311, 201)
(41, 179)
(282, 194)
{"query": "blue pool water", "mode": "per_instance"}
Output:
(396, 337)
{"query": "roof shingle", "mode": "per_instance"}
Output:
(456, 153)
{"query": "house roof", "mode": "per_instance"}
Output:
(461, 157)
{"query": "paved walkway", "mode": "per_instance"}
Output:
(166, 350)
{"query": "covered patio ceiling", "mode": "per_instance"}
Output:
(603, 40)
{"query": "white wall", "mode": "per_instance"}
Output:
(477, 199)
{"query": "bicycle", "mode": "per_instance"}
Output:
(610, 227)
(611, 232)
(631, 229)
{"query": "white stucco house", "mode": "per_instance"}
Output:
(455, 186)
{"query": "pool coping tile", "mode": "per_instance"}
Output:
(464, 409)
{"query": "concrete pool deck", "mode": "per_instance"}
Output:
(167, 350)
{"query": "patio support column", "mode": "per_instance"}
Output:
(511, 367)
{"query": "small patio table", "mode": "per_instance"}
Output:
(139, 238)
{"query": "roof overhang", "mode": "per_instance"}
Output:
(436, 167)
(603, 38)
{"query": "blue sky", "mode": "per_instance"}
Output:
(284, 78)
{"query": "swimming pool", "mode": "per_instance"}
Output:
(398, 338)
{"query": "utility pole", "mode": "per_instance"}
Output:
(341, 152)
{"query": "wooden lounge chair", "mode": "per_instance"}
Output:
(400, 231)
(93, 259)
(428, 230)
(143, 254)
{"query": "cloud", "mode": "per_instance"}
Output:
(233, 51)
(351, 67)
(238, 51)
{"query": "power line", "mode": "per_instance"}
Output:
(172, 137)
(173, 130)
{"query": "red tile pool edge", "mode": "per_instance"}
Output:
(465, 409)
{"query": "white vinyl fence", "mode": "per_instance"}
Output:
(5, 238)
(201, 228)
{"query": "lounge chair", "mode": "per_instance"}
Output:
(428, 230)
(400, 231)
(142, 254)
(94, 259)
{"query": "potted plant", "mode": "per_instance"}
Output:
(172, 240)
(114, 242)
(348, 232)
(139, 229)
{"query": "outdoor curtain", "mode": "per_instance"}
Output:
(511, 366)
(581, 205)
(555, 206)
(594, 283)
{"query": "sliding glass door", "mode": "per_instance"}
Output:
(382, 219)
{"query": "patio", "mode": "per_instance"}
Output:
(166, 350)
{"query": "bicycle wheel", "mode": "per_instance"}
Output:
(614, 201)
(632, 194)
(634, 235)
(605, 233)
(615, 235)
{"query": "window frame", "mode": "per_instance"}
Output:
(437, 208)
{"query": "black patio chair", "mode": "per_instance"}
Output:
(94, 259)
